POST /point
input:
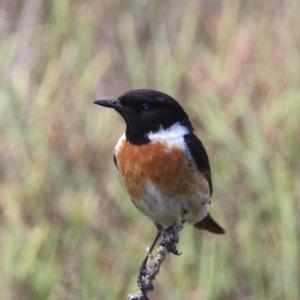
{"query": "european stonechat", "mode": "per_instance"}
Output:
(163, 164)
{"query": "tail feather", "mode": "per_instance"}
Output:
(209, 224)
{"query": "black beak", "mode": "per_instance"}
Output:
(112, 103)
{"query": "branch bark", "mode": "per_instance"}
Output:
(152, 268)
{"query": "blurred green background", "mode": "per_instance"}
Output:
(67, 228)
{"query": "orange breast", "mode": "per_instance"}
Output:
(167, 168)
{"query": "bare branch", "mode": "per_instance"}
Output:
(152, 268)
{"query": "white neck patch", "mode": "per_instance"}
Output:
(172, 136)
(119, 143)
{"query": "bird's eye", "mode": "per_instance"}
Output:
(146, 106)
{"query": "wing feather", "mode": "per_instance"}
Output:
(200, 156)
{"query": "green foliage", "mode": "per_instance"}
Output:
(67, 228)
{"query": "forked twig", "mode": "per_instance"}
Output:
(152, 268)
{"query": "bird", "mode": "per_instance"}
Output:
(163, 164)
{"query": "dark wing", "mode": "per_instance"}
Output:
(200, 157)
(115, 162)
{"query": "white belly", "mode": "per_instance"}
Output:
(166, 210)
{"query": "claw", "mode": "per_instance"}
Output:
(170, 239)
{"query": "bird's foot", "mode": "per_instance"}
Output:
(170, 239)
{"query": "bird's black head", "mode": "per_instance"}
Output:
(146, 111)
